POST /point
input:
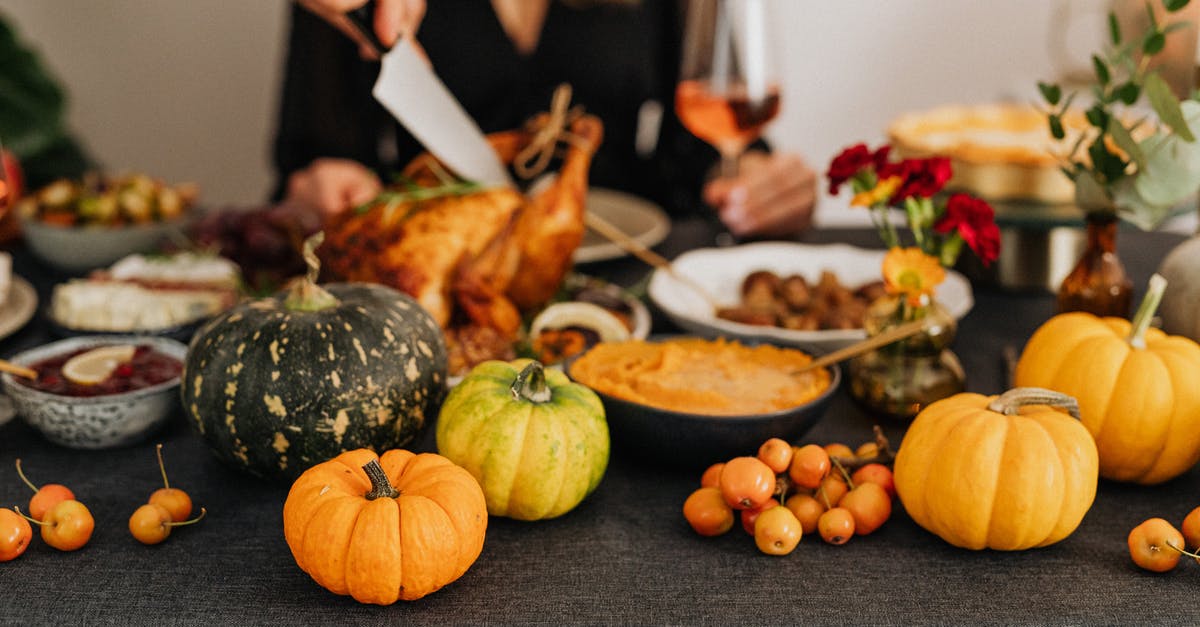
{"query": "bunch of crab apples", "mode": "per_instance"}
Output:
(1156, 545)
(786, 492)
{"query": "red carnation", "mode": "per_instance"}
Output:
(922, 177)
(975, 221)
(853, 160)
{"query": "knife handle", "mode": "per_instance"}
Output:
(362, 19)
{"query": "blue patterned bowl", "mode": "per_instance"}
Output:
(95, 422)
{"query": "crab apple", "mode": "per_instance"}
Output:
(1155, 545)
(878, 474)
(15, 534)
(870, 506)
(1191, 529)
(750, 515)
(810, 464)
(44, 497)
(776, 531)
(707, 512)
(746, 482)
(67, 526)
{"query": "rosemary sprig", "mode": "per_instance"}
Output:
(390, 199)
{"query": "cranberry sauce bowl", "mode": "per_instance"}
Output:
(126, 407)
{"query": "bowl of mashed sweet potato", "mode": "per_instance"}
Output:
(693, 401)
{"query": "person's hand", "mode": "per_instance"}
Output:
(773, 195)
(393, 19)
(331, 186)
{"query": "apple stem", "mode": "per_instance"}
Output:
(1183, 551)
(824, 497)
(884, 455)
(22, 476)
(845, 475)
(32, 520)
(161, 467)
(189, 522)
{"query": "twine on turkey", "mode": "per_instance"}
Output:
(548, 130)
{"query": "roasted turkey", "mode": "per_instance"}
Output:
(475, 261)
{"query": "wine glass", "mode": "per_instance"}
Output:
(728, 89)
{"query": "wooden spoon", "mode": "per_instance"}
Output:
(883, 339)
(20, 371)
(615, 235)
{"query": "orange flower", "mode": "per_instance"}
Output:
(911, 272)
(881, 193)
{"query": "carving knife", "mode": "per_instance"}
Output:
(414, 95)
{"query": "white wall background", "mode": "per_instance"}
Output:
(186, 90)
(181, 89)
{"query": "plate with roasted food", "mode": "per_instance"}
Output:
(784, 293)
(688, 401)
(81, 225)
(164, 294)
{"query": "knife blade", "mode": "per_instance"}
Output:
(408, 88)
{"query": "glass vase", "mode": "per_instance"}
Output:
(1098, 284)
(900, 379)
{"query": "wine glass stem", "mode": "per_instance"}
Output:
(729, 163)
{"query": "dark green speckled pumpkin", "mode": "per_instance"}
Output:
(280, 384)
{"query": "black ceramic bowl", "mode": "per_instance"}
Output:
(682, 439)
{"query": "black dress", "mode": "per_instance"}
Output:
(616, 56)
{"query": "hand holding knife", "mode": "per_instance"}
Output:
(413, 94)
(380, 22)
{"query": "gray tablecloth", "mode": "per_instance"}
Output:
(624, 556)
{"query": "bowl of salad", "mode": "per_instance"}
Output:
(80, 225)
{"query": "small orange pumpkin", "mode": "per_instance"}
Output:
(399, 526)
(1006, 473)
(1137, 387)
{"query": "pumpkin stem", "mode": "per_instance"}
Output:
(1011, 401)
(305, 294)
(381, 487)
(531, 384)
(1145, 311)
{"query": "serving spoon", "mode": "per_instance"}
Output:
(20, 371)
(876, 341)
(615, 235)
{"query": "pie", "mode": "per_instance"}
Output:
(998, 151)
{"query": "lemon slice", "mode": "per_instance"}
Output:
(96, 365)
(580, 314)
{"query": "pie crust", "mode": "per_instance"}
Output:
(998, 151)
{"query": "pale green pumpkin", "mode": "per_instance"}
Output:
(536, 442)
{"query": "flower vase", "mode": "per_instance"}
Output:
(898, 380)
(1098, 284)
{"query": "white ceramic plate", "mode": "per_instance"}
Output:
(636, 217)
(721, 271)
(18, 308)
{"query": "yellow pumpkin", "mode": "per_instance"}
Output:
(1138, 389)
(1006, 473)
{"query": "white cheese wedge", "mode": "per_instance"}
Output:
(112, 306)
(184, 267)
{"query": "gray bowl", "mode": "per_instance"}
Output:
(78, 249)
(95, 422)
(672, 438)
